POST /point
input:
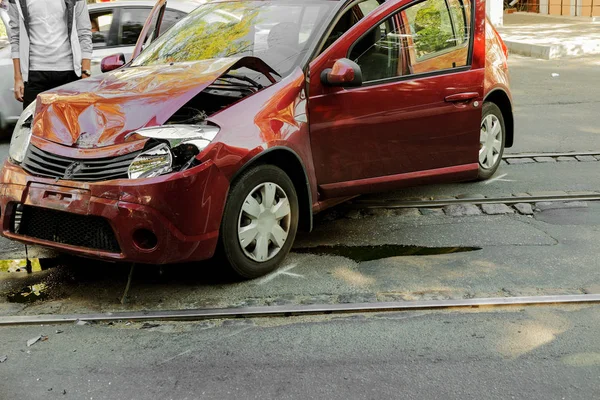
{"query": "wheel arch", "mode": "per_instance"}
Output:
(502, 100)
(291, 163)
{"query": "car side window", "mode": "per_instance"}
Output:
(428, 36)
(367, 6)
(438, 34)
(131, 25)
(379, 52)
(101, 23)
(349, 19)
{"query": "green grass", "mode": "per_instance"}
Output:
(2, 30)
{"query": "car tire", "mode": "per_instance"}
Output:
(492, 137)
(259, 222)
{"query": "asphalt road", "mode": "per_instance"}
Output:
(555, 113)
(536, 352)
(530, 353)
(553, 252)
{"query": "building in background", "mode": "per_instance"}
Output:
(572, 8)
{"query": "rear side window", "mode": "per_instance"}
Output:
(132, 23)
(101, 23)
(428, 36)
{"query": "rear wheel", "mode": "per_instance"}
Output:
(260, 221)
(492, 135)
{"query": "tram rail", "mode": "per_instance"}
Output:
(297, 310)
(551, 154)
(371, 204)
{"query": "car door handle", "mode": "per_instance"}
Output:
(461, 97)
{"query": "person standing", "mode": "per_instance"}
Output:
(51, 45)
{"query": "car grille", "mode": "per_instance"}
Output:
(40, 163)
(62, 227)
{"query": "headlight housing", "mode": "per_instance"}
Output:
(173, 148)
(21, 135)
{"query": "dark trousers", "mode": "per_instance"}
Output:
(40, 81)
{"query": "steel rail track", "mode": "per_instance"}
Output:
(296, 310)
(566, 154)
(366, 204)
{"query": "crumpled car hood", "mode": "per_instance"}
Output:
(102, 111)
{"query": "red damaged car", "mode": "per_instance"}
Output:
(231, 129)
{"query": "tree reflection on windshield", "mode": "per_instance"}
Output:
(279, 34)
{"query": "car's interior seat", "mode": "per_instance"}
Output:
(345, 22)
(373, 59)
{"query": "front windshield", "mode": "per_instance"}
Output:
(278, 33)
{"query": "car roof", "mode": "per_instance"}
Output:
(185, 6)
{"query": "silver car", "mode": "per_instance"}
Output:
(115, 29)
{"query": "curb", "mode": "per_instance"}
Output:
(549, 52)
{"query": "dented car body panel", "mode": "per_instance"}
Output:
(102, 111)
(335, 142)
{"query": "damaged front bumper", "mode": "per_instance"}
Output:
(166, 219)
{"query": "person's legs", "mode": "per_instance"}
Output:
(60, 78)
(40, 81)
(36, 84)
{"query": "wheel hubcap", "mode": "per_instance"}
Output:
(264, 222)
(490, 141)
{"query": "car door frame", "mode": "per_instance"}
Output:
(341, 48)
(159, 9)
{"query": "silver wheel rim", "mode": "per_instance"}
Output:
(264, 222)
(490, 141)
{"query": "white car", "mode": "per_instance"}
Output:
(115, 29)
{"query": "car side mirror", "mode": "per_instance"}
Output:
(112, 62)
(344, 73)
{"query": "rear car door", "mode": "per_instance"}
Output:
(417, 115)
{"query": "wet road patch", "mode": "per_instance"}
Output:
(370, 253)
(28, 294)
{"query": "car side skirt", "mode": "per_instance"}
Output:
(384, 183)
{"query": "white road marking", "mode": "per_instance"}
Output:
(281, 271)
(293, 274)
(498, 179)
(174, 357)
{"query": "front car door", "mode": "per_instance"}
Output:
(416, 117)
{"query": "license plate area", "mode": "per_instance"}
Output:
(57, 198)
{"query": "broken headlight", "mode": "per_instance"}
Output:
(172, 148)
(21, 135)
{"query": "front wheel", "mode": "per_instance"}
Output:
(259, 222)
(492, 135)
